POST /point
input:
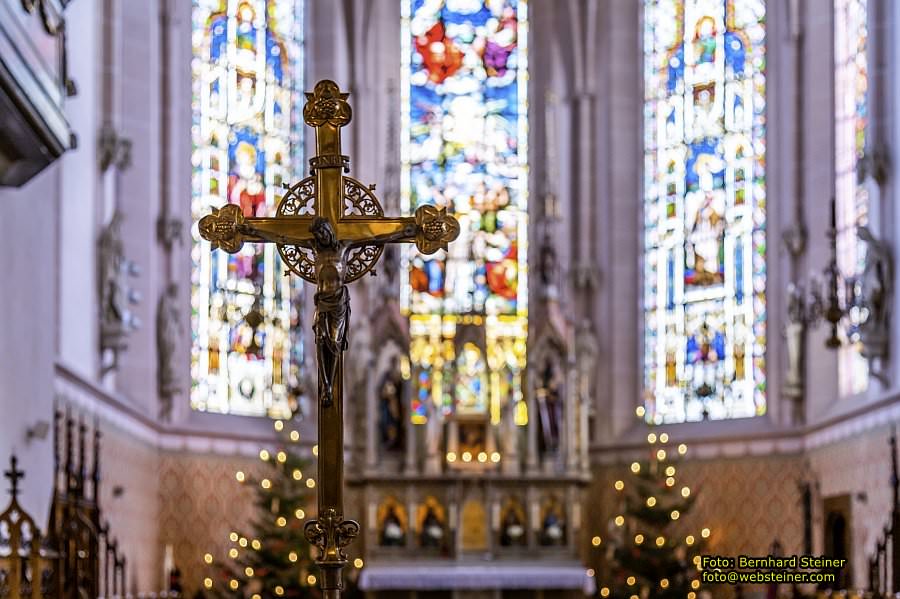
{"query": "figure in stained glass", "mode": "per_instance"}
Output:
(704, 209)
(464, 131)
(851, 37)
(247, 75)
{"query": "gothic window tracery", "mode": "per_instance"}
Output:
(704, 209)
(247, 78)
(851, 195)
(464, 147)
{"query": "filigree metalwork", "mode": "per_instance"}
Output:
(300, 199)
(330, 534)
(359, 200)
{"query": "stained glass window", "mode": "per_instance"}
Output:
(704, 209)
(247, 79)
(851, 199)
(463, 145)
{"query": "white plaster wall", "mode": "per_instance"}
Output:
(137, 101)
(28, 233)
(79, 188)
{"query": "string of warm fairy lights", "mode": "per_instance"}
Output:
(658, 457)
(239, 543)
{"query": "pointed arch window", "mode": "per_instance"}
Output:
(464, 146)
(851, 197)
(247, 71)
(704, 209)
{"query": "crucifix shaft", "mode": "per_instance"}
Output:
(334, 243)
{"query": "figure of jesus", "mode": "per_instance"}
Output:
(332, 298)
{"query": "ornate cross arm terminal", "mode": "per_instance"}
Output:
(330, 230)
(431, 229)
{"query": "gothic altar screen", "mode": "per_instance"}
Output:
(851, 198)
(704, 209)
(247, 81)
(463, 145)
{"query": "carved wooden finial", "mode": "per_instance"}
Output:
(14, 475)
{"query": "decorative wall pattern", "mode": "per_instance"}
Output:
(859, 467)
(132, 467)
(745, 502)
(201, 503)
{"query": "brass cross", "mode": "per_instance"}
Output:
(330, 230)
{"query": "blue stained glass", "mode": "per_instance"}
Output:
(704, 144)
(464, 147)
(247, 72)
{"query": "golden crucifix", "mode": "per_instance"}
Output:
(330, 229)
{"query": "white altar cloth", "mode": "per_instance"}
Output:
(476, 576)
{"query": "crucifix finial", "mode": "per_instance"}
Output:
(14, 475)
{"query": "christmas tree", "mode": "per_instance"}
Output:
(651, 556)
(273, 559)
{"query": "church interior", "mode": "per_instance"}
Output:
(598, 288)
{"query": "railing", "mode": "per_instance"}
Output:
(77, 556)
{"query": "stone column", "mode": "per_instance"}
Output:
(411, 506)
(573, 519)
(570, 445)
(509, 460)
(433, 439)
(371, 420)
(531, 458)
(412, 441)
(584, 408)
(533, 517)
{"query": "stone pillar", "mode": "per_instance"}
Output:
(573, 519)
(584, 433)
(411, 507)
(412, 445)
(533, 516)
(570, 445)
(433, 439)
(371, 420)
(509, 460)
(531, 458)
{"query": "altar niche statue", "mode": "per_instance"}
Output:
(168, 330)
(553, 528)
(550, 409)
(391, 417)
(392, 533)
(512, 526)
(432, 532)
(114, 291)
